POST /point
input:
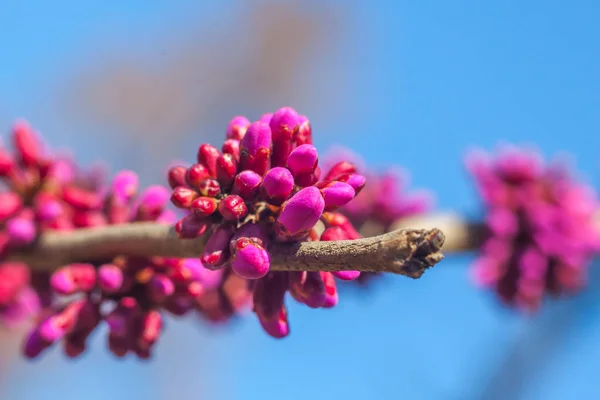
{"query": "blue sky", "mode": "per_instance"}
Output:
(431, 79)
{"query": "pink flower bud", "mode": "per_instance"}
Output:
(277, 185)
(60, 171)
(308, 288)
(204, 206)
(183, 197)
(88, 219)
(337, 194)
(309, 179)
(63, 282)
(110, 278)
(226, 170)
(191, 226)
(233, 208)
(152, 203)
(47, 208)
(21, 230)
(167, 217)
(237, 127)
(333, 233)
(177, 176)
(51, 330)
(337, 219)
(88, 318)
(124, 187)
(10, 203)
(27, 144)
(246, 184)
(216, 251)
(196, 175)
(210, 279)
(208, 155)
(151, 327)
(339, 169)
(7, 162)
(179, 304)
(331, 299)
(122, 323)
(21, 308)
(303, 134)
(210, 188)
(14, 276)
(34, 345)
(255, 148)
(185, 270)
(346, 275)
(58, 325)
(232, 146)
(250, 260)
(159, 288)
(502, 222)
(81, 198)
(357, 181)
(73, 278)
(194, 289)
(269, 304)
(299, 214)
(257, 232)
(303, 160)
(84, 275)
(283, 124)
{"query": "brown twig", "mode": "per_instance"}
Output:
(407, 252)
(462, 234)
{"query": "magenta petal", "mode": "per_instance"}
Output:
(34, 344)
(246, 184)
(160, 287)
(236, 129)
(216, 251)
(258, 136)
(337, 194)
(21, 230)
(283, 124)
(278, 184)
(346, 275)
(110, 278)
(125, 185)
(357, 182)
(9, 204)
(251, 260)
(277, 327)
(308, 288)
(62, 281)
(303, 159)
(300, 213)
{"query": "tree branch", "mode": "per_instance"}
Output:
(461, 234)
(407, 252)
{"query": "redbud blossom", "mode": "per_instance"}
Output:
(540, 230)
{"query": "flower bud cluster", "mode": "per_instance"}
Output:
(129, 294)
(44, 192)
(39, 192)
(264, 185)
(541, 230)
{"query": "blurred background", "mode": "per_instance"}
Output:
(141, 83)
